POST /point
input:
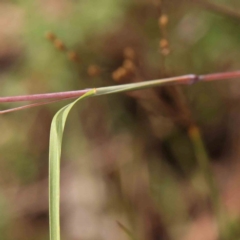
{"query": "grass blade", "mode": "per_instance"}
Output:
(56, 133)
(127, 231)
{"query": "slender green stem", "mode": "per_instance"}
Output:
(146, 84)
(185, 79)
(127, 231)
(205, 168)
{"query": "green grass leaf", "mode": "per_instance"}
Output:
(127, 231)
(56, 133)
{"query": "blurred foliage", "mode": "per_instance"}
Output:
(130, 154)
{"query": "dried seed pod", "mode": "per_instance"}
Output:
(73, 56)
(165, 51)
(94, 70)
(118, 74)
(122, 72)
(163, 20)
(115, 76)
(59, 45)
(163, 43)
(50, 36)
(129, 53)
(129, 65)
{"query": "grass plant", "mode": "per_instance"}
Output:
(56, 134)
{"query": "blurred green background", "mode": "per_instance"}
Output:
(128, 161)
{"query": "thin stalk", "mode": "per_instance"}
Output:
(58, 96)
(44, 96)
(127, 231)
(185, 79)
(205, 168)
(31, 105)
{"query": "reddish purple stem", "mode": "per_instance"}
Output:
(186, 79)
(44, 96)
(220, 76)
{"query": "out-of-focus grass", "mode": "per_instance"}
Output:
(201, 42)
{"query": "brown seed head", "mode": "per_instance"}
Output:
(163, 20)
(165, 51)
(129, 65)
(73, 56)
(115, 76)
(94, 70)
(118, 74)
(50, 36)
(129, 53)
(59, 45)
(163, 43)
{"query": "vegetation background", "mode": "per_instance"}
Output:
(129, 169)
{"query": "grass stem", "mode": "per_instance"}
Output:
(205, 168)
